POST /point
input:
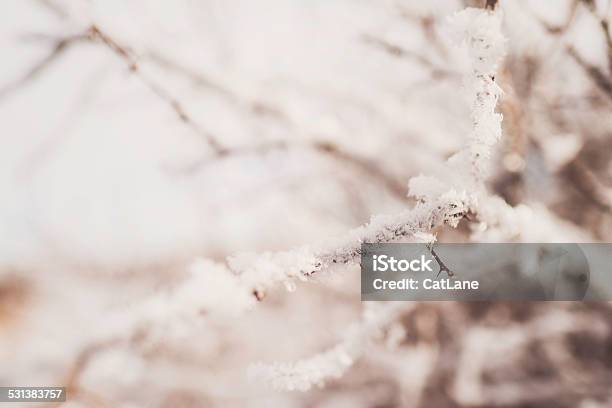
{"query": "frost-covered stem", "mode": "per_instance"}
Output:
(252, 274)
(486, 125)
(439, 203)
(261, 271)
(301, 375)
(230, 289)
(485, 44)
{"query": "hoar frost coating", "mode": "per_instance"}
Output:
(440, 201)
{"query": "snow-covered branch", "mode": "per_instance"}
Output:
(231, 288)
(303, 374)
(441, 201)
(221, 289)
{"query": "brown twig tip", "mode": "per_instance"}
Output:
(490, 4)
(93, 30)
(259, 295)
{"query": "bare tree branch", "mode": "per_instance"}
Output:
(259, 108)
(34, 72)
(82, 361)
(400, 52)
(599, 78)
(583, 179)
(559, 29)
(371, 168)
(604, 25)
(95, 34)
(491, 4)
(54, 8)
(428, 25)
(197, 77)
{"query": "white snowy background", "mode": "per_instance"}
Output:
(323, 110)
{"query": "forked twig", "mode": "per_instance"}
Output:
(441, 264)
(96, 34)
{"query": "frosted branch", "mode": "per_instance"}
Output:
(216, 288)
(333, 363)
(439, 203)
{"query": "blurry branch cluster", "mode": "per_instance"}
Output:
(602, 79)
(577, 171)
(442, 201)
(599, 78)
(459, 191)
(588, 184)
(331, 150)
(437, 71)
(58, 49)
(95, 34)
(230, 289)
(331, 364)
(604, 25)
(326, 148)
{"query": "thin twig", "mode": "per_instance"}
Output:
(54, 8)
(400, 52)
(596, 74)
(604, 25)
(371, 168)
(599, 78)
(196, 77)
(34, 72)
(583, 179)
(491, 4)
(95, 34)
(560, 29)
(82, 361)
(428, 23)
